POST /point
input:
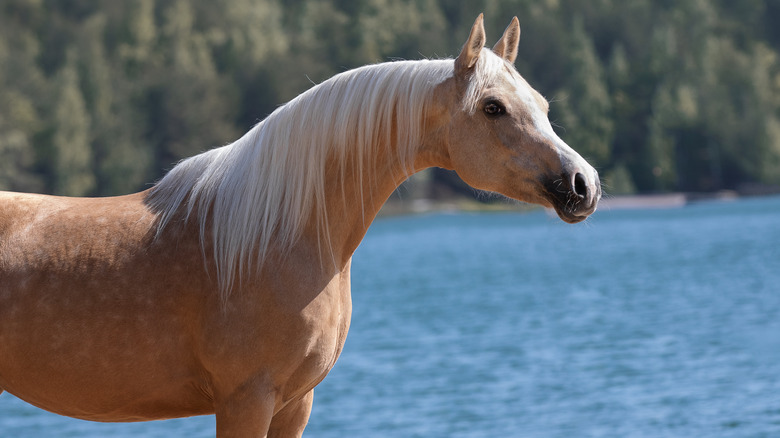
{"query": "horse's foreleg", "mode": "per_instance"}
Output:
(246, 412)
(290, 421)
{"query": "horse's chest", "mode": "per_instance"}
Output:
(292, 335)
(328, 319)
(309, 341)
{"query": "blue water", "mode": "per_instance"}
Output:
(654, 323)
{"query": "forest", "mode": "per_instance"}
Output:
(101, 97)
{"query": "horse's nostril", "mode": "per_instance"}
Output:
(580, 186)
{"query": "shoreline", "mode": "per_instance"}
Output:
(665, 200)
(607, 203)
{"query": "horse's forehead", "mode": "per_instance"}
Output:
(533, 104)
(517, 85)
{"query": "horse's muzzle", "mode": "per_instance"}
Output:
(574, 195)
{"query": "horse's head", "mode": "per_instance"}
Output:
(499, 137)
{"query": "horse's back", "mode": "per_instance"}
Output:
(54, 232)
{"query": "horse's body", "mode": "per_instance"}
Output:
(225, 288)
(103, 320)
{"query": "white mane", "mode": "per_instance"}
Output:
(263, 187)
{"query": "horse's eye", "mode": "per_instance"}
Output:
(494, 108)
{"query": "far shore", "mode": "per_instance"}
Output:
(663, 200)
(618, 202)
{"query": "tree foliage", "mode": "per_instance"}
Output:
(101, 97)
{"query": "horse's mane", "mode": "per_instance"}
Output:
(264, 187)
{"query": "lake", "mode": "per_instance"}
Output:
(636, 323)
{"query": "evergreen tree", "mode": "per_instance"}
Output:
(121, 160)
(21, 95)
(72, 158)
(191, 109)
(400, 28)
(136, 42)
(740, 103)
(249, 40)
(19, 121)
(584, 105)
(617, 178)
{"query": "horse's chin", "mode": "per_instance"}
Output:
(552, 202)
(569, 217)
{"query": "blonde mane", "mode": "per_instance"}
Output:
(263, 188)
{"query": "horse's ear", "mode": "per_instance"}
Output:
(470, 52)
(506, 47)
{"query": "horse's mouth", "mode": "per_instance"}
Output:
(570, 207)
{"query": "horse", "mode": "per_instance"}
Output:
(225, 287)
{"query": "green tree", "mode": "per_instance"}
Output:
(19, 120)
(120, 156)
(740, 107)
(21, 93)
(72, 158)
(617, 178)
(584, 107)
(248, 42)
(190, 108)
(136, 42)
(400, 28)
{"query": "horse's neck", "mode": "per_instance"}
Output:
(353, 200)
(356, 192)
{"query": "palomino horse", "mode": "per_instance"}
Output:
(225, 288)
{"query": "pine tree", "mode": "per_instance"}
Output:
(138, 38)
(121, 158)
(21, 91)
(190, 106)
(585, 108)
(72, 158)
